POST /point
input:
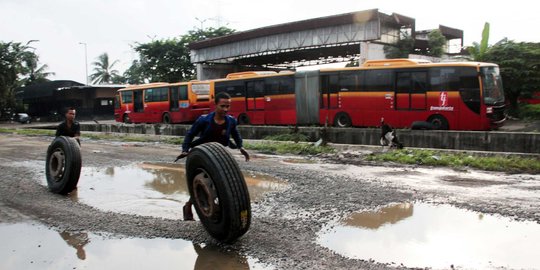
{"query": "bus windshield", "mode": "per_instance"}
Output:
(493, 88)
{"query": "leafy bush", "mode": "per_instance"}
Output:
(529, 111)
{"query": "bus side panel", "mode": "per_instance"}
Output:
(307, 97)
(280, 110)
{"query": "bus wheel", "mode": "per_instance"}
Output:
(63, 165)
(438, 122)
(166, 118)
(126, 119)
(243, 119)
(342, 120)
(219, 192)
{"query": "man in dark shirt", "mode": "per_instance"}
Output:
(217, 126)
(69, 127)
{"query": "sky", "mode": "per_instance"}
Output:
(65, 29)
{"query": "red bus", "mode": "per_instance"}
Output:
(457, 96)
(162, 102)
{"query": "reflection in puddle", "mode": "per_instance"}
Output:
(149, 189)
(26, 246)
(435, 236)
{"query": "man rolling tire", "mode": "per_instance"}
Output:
(218, 191)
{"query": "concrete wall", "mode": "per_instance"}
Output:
(460, 140)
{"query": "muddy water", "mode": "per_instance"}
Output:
(151, 189)
(437, 236)
(27, 246)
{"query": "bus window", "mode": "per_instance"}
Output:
(379, 80)
(493, 88)
(286, 85)
(183, 92)
(349, 81)
(156, 94)
(127, 97)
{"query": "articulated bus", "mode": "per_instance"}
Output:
(162, 102)
(457, 95)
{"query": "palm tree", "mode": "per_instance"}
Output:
(478, 51)
(103, 71)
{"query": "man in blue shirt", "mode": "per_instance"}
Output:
(217, 126)
(69, 127)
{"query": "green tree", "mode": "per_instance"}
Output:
(18, 67)
(479, 50)
(168, 60)
(104, 71)
(401, 49)
(519, 65)
(436, 42)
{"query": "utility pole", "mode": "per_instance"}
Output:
(85, 60)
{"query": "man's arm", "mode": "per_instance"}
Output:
(235, 134)
(192, 132)
(238, 139)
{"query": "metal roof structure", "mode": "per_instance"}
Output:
(320, 39)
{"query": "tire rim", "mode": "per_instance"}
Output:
(342, 121)
(205, 194)
(437, 123)
(57, 164)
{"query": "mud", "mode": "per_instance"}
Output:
(286, 223)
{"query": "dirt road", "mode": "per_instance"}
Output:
(293, 228)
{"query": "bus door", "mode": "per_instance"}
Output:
(255, 101)
(173, 100)
(411, 88)
(183, 103)
(138, 107)
(280, 106)
(330, 91)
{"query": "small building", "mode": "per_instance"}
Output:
(49, 100)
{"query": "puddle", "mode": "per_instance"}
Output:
(151, 189)
(435, 236)
(26, 246)
(470, 182)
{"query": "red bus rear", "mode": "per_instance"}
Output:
(162, 102)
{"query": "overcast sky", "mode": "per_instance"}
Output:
(113, 26)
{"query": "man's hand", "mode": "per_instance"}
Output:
(245, 153)
(183, 155)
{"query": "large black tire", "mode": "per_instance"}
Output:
(219, 192)
(63, 165)
(243, 119)
(422, 125)
(438, 122)
(126, 119)
(342, 120)
(166, 118)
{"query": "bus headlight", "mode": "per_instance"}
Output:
(489, 110)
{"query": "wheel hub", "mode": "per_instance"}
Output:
(57, 164)
(205, 195)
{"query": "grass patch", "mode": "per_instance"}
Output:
(293, 137)
(35, 132)
(288, 148)
(513, 164)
